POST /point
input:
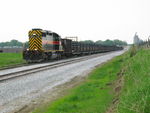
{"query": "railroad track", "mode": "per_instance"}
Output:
(13, 75)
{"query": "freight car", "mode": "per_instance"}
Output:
(46, 45)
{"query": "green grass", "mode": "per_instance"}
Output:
(92, 96)
(135, 96)
(95, 96)
(10, 59)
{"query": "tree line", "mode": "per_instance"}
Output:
(12, 43)
(107, 42)
(16, 43)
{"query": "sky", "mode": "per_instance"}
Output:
(87, 19)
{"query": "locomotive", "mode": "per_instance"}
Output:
(47, 45)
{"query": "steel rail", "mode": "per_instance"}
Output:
(12, 75)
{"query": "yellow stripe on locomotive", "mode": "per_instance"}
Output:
(35, 40)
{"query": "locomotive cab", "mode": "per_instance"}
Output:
(51, 43)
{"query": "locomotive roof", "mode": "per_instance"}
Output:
(36, 29)
(46, 31)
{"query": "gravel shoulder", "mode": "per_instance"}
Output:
(51, 95)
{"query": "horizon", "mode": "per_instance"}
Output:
(80, 40)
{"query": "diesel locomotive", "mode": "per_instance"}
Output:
(47, 45)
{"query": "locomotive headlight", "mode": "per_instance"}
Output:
(27, 49)
(35, 49)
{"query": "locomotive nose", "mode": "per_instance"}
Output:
(35, 40)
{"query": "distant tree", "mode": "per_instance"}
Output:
(119, 42)
(99, 42)
(12, 43)
(2, 44)
(111, 42)
(108, 42)
(15, 43)
(88, 42)
(26, 45)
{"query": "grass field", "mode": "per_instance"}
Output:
(135, 95)
(10, 59)
(97, 94)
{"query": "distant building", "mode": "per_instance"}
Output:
(136, 39)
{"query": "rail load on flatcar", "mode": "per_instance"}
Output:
(47, 45)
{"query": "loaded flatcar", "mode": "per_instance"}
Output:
(46, 45)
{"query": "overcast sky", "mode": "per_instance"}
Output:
(87, 19)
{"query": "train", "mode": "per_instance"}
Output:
(46, 45)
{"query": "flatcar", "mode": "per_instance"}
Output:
(47, 45)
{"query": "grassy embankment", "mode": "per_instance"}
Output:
(98, 93)
(135, 95)
(10, 59)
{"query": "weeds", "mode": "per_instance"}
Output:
(135, 97)
(133, 51)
